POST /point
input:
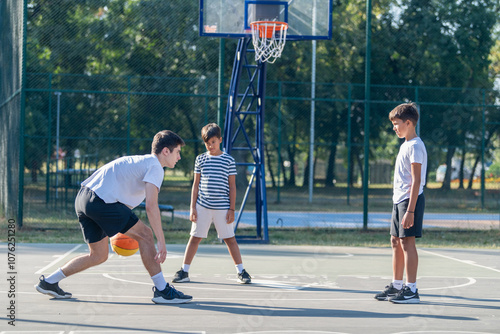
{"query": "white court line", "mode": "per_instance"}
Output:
(126, 331)
(58, 259)
(291, 331)
(260, 283)
(472, 263)
(451, 332)
(36, 332)
(471, 281)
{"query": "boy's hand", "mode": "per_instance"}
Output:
(408, 219)
(193, 215)
(230, 216)
(161, 254)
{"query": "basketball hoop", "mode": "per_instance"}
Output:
(268, 39)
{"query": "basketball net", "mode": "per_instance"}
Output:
(268, 39)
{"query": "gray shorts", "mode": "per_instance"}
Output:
(399, 210)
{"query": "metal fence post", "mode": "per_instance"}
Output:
(483, 147)
(279, 141)
(367, 113)
(349, 144)
(49, 144)
(20, 204)
(129, 83)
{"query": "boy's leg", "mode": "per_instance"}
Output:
(50, 285)
(397, 271)
(199, 230)
(144, 236)
(234, 250)
(410, 258)
(163, 293)
(409, 294)
(182, 275)
(98, 254)
(398, 259)
(191, 249)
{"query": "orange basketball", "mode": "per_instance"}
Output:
(123, 245)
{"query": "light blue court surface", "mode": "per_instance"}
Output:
(295, 290)
(355, 219)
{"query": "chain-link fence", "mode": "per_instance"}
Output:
(105, 76)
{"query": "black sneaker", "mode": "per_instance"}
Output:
(169, 296)
(405, 296)
(181, 276)
(244, 277)
(51, 289)
(390, 291)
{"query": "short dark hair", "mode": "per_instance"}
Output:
(405, 111)
(166, 138)
(209, 131)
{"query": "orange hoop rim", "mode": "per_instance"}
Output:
(268, 28)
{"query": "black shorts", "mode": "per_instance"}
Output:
(99, 219)
(399, 210)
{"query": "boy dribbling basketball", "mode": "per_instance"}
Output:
(408, 206)
(104, 208)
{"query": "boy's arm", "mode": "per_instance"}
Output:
(232, 199)
(409, 216)
(193, 215)
(154, 218)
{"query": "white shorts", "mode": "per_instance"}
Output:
(205, 217)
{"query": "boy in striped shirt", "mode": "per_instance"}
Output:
(213, 199)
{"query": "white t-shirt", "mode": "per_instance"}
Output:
(124, 179)
(411, 151)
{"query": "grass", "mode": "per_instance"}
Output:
(432, 238)
(50, 224)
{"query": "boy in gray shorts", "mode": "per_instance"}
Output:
(408, 206)
(213, 198)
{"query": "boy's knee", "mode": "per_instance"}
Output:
(141, 233)
(395, 241)
(230, 241)
(408, 243)
(99, 257)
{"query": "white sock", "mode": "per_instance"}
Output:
(185, 267)
(239, 268)
(412, 286)
(159, 281)
(55, 277)
(398, 284)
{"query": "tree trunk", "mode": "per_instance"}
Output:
(283, 169)
(305, 182)
(471, 178)
(461, 171)
(351, 167)
(330, 169)
(360, 165)
(486, 142)
(269, 167)
(447, 176)
(34, 171)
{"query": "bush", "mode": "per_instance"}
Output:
(494, 170)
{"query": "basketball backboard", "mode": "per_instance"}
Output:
(307, 19)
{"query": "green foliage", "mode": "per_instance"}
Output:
(494, 170)
(129, 68)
